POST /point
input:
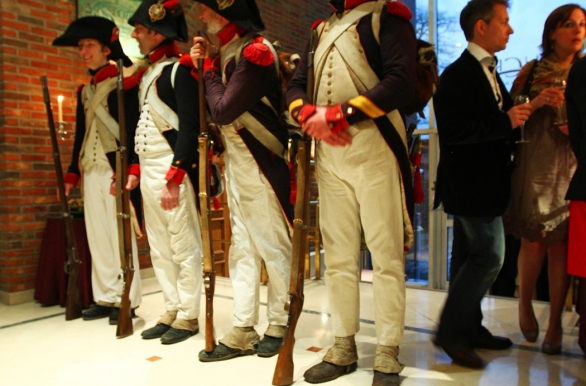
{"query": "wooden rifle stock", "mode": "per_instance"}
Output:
(209, 271)
(72, 304)
(124, 327)
(284, 369)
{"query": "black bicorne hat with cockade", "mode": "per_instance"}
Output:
(243, 13)
(164, 16)
(94, 27)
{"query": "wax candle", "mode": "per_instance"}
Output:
(60, 107)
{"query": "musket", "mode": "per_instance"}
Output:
(284, 369)
(72, 304)
(209, 271)
(124, 327)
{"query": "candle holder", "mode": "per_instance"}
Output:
(62, 132)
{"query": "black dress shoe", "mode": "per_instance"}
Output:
(325, 372)
(222, 353)
(493, 342)
(155, 332)
(174, 335)
(96, 312)
(461, 354)
(269, 346)
(114, 315)
(384, 379)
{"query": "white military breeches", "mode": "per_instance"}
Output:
(360, 186)
(102, 234)
(174, 238)
(260, 232)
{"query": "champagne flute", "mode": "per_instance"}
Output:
(561, 115)
(522, 100)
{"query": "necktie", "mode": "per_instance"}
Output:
(491, 62)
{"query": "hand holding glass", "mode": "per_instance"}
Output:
(561, 115)
(522, 100)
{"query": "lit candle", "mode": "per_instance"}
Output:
(60, 107)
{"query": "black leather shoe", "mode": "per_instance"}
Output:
(269, 346)
(461, 354)
(114, 315)
(174, 335)
(384, 379)
(223, 352)
(96, 312)
(325, 372)
(155, 332)
(493, 342)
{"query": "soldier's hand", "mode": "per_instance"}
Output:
(132, 182)
(113, 188)
(317, 127)
(519, 114)
(170, 196)
(198, 50)
(68, 188)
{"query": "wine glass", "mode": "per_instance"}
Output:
(522, 100)
(561, 114)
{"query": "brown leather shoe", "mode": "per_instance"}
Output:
(462, 354)
(325, 372)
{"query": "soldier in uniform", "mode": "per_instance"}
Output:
(244, 96)
(166, 143)
(94, 157)
(364, 67)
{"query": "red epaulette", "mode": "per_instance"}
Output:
(79, 88)
(130, 82)
(399, 9)
(185, 60)
(316, 23)
(138, 75)
(258, 53)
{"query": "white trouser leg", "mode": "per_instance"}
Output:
(259, 231)
(360, 184)
(102, 232)
(174, 239)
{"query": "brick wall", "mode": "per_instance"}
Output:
(27, 176)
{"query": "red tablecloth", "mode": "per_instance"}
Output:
(51, 285)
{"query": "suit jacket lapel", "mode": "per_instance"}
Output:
(476, 66)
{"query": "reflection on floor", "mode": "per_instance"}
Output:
(38, 347)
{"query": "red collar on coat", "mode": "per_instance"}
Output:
(168, 50)
(228, 32)
(106, 72)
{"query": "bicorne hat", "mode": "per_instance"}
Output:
(243, 13)
(164, 16)
(94, 27)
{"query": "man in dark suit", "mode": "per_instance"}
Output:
(576, 106)
(476, 118)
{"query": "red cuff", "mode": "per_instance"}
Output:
(195, 73)
(306, 111)
(71, 178)
(175, 175)
(134, 169)
(209, 64)
(335, 117)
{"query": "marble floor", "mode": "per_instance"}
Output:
(38, 347)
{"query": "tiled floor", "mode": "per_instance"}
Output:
(38, 347)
